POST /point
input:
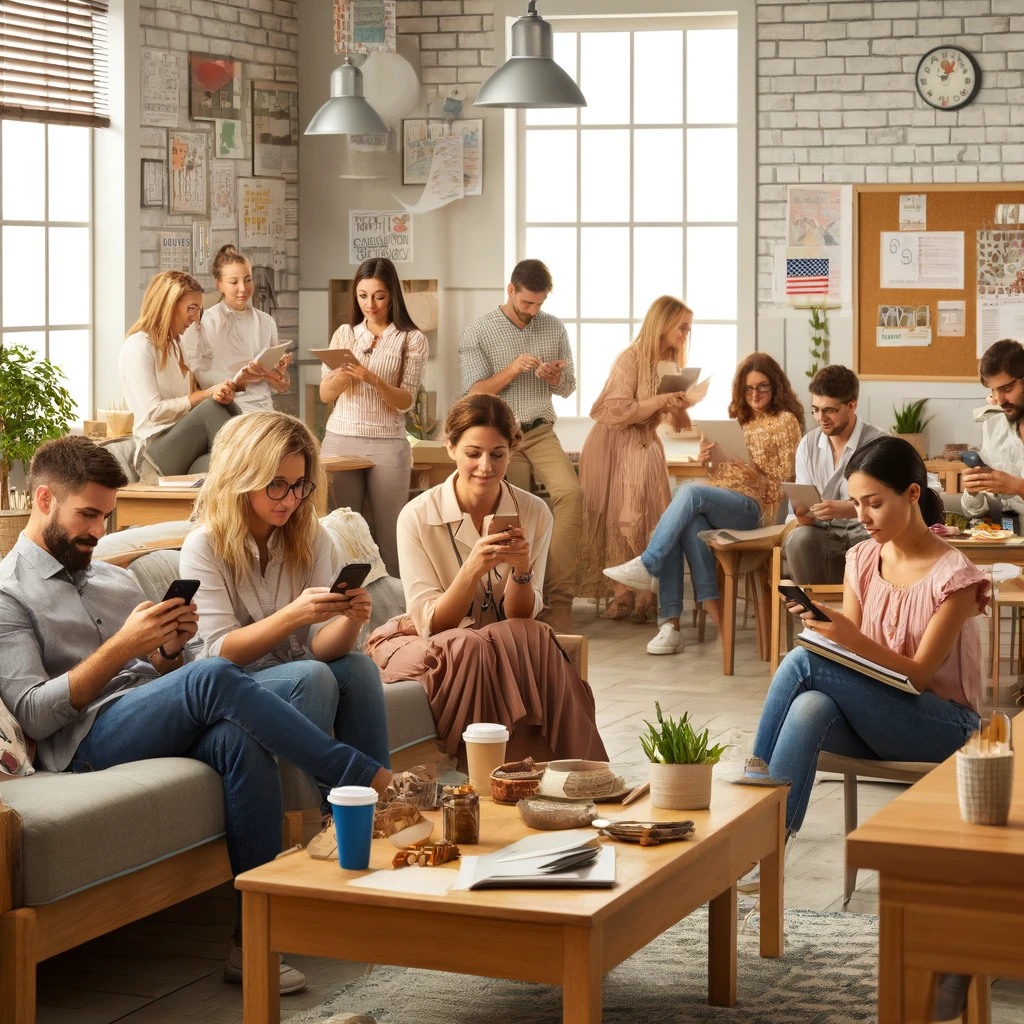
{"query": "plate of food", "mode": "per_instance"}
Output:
(990, 536)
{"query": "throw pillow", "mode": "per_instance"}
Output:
(14, 756)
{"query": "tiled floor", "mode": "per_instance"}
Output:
(167, 969)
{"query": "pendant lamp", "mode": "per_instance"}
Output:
(530, 77)
(347, 110)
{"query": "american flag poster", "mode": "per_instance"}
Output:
(807, 276)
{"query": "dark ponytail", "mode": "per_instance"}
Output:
(897, 464)
(226, 256)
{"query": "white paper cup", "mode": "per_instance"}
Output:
(485, 751)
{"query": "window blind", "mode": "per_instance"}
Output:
(53, 61)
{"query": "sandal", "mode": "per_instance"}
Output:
(619, 607)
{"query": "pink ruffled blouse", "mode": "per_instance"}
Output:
(898, 616)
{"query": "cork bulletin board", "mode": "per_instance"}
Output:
(876, 208)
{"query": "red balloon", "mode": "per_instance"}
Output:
(213, 74)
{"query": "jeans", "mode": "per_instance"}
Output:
(693, 509)
(813, 704)
(213, 712)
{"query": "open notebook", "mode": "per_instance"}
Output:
(842, 656)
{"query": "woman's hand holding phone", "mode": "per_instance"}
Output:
(315, 605)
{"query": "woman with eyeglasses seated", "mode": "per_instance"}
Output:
(175, 419)
(739, 496)
(266, 566)
(470, 633)
(371, 396)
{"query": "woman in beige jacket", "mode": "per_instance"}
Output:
(470, 635)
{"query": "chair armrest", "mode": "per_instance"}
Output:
(10, 855)
(578, 649)
(125, 558)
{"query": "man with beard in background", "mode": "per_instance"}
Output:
(999, 487)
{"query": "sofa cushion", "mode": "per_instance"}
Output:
(80, 830)
(410, 719)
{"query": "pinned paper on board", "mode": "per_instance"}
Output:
(952, 318)
(445, 181)
(922, 259)
(914, 213)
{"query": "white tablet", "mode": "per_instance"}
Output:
(802, 497)
(272, 355)
(681, 381)
(335, 358)
(727, 436)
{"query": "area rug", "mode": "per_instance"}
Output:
(827, 976)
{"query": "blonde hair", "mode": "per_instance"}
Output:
(162, 295)
(245, 456)
(663, 314)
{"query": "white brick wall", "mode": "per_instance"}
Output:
(263, 34)
(456, 39)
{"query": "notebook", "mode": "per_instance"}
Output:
(681, 381)
(842, 656)
(729, 440)
(513, 868)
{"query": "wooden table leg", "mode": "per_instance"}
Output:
(772, 893)
(979, 1001)
(890, 964)
(261, 991)
(728, 606)
(722, 949)
(918, 995)
(581, 976)
(774, 653)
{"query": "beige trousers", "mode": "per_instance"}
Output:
(542, 450)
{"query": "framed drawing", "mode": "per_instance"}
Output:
(275, 129)
(188, 164)
(214, 88)
(228, 143)
(152, 191)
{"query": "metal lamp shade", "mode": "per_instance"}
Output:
(530, 77)
(347, 110)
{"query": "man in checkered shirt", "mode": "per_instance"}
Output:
(522, 355)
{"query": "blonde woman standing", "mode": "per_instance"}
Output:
(622, 466)
(266, 566)
(176, 420)
(372, 397)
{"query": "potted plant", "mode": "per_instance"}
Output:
(34, 407)
(910, 424)
(681, 763)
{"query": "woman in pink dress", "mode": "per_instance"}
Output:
(622, 466)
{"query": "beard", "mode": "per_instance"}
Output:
(524, 318)
(1014, 413)
(62, 546)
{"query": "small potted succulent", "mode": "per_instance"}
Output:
(910, 424)
(681, 763)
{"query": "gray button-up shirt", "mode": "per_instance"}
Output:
(51, 621)
(492, 342)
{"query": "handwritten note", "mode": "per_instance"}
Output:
(380, 233)
(922, 259)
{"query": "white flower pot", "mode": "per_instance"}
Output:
(681, 787)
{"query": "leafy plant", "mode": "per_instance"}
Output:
(908, 419)
(678, 742)
(34, 407)
(820, 339)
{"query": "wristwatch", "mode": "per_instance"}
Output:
(169, 657)
(525, 578)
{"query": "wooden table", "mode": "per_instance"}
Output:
(951, 895)
(146, 504)
(560, 937)
(685, 467)
(948, 473)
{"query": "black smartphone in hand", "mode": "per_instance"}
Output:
(351, 577)
(795, 595)
(185, 589)
(972, 460)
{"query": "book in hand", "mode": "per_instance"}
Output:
(842, 656)
(685, 379)
(739, 536)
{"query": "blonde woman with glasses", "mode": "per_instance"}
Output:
(623, 473)
(175, 420)
(266, 567)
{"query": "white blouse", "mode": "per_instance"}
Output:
(222, 342)
(226, 603)
(399, 358)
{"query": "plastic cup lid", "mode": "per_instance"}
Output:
(485, 732)
(352, 796)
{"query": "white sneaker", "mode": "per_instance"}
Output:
(291, 979)
(630, 574)
(668, 641)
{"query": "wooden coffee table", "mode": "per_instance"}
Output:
(560, 937)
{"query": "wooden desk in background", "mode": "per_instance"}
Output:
(951, 895)
(683, 467)
(948, 473)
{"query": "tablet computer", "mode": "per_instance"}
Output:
(681, 381)
(335, 358)
(802, 497)
(272, 355)
(727, 436)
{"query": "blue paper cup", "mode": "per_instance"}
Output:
(353, 808)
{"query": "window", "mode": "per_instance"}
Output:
(635, 195)
(46, 247)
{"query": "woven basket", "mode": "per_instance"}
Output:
(984, 785)
(681, 787)
(11, 524)
(119, 423)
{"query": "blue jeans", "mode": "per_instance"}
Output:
(693, 509)
(813, 704)
(213, 712)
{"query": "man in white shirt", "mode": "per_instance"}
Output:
(1000, 486)
(816, 552)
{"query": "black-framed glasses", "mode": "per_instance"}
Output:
(762, 389)
(1005, 389)
(278, 489)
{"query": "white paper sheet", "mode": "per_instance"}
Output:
(445, 182)
(411, 881)
(999, 316)
(952, 318)
(922, 259)
(160, 89)
(914, 213)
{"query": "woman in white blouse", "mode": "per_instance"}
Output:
(233, 333)
(372, 397)
(470, 635)
(265, 567)
(176, 420)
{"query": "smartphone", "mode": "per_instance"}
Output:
(500, 524)
(352, 576)
(797, 596)
(185, 589)
(972, 460)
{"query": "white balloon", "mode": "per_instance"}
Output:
(391, 86)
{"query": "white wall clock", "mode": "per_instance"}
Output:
(948, 78)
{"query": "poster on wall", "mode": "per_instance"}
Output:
(815, 216)
(922, 259)
(222, 195)
(419, 137)
(445, 182)
(160, 92)
(257, 220)
(201, 242)
(228, 141)
(364, 26)
(380, 234)
(1000, 287)
(214, 87)
(176, 250)
(188, 167)
(275, 129)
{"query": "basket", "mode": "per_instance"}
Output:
(11, 524)
(984, 784)
(681, 787)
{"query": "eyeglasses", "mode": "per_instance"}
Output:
(1002, 392)
(278, 489)
(761, 389)
(192, 310)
